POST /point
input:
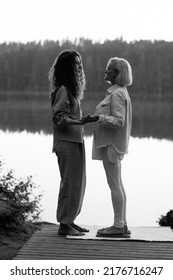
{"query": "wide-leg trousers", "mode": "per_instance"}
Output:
(71, 161)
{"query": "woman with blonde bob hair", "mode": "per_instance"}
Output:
(111, 139)
(124, 77)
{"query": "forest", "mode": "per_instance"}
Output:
(24, 67)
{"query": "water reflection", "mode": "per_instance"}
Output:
(153, 119)
(26, 144)
(147, 174)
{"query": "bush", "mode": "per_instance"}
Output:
(18, 203)
(166, 220)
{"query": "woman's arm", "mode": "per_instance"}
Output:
(65, 120)
(118, 112)
(88, 119)
(61, 110)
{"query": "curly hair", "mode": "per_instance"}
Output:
(67, 70)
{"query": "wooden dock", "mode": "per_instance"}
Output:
(46, 244)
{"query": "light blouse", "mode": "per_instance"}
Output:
(115, 122)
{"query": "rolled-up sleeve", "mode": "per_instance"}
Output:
(61, 108)
(118, 111)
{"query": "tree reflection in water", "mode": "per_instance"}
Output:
(150, 119)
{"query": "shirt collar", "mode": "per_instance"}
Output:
(112, 88)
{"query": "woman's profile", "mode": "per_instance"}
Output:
(67, 81)
(111, 139)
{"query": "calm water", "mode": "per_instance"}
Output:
(147, 176)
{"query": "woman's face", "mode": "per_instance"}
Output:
(110, 74)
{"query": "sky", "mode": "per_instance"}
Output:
(99, 20)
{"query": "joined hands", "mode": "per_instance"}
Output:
(89, 118)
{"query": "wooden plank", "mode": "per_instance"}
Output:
(47, 244)
(104, 253)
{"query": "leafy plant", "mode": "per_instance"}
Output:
(162, 221)
(18, 199)
(166, 220)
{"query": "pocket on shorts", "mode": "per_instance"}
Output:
(113, 155)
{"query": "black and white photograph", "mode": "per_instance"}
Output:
(86, 138)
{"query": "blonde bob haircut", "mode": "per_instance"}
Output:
(123, 67)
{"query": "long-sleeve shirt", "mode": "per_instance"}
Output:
(115, 121)
(64, 106)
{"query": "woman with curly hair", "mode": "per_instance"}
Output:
(67, 81)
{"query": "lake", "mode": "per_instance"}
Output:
(147, 176)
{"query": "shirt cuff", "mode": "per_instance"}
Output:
(102, 118)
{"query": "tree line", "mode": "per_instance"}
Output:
(25, 66)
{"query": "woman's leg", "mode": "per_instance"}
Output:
(113, 174)
(71, 160)
(124, 201)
